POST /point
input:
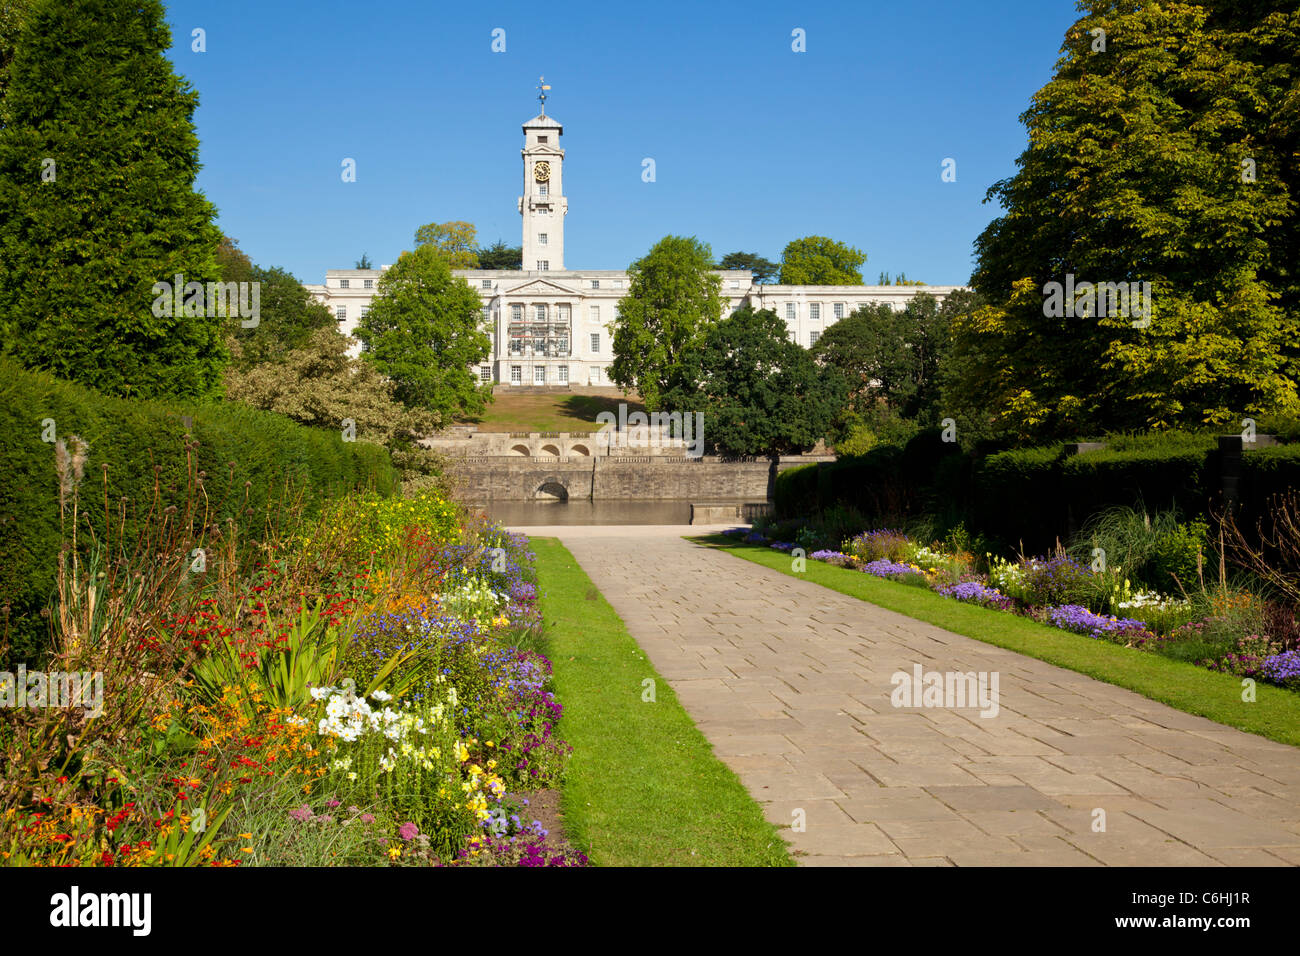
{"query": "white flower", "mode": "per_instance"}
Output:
(382, 695)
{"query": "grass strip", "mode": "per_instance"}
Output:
(1275, 713)
(643, 787)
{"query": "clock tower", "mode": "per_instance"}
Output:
(543, 205)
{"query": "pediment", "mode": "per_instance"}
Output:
(540, 287)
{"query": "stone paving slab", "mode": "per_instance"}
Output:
(791, 683)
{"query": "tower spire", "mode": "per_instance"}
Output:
(542, 87)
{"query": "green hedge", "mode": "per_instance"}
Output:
(1029, 497)
(1268, 472)
(887, 480)
(140, 442)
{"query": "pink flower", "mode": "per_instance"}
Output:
(408, 831)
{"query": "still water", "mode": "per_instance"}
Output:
(535, 513)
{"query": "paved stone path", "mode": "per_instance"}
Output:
(791, 684)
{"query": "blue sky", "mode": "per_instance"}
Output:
(754, 144)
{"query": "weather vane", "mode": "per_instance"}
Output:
(541, 92)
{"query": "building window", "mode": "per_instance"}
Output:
(342, 312)
(516, 313)
(543, 189)
(563, 371)
(814, 311)
(735, 283)
(789, 312)
(794, 337)
(367, 283)
(516, 375)
(595, 343)
(485, 284)
(485, 373)
(365, 310)
(539, 313)
(564, 312)
(343, 283)
(839, 310)
(618, 283)
(539, 374)
(543, 139)
(595, 283)
(543, 210)
(593, 314)
(812, 338)
(543, 265)
(541, 238)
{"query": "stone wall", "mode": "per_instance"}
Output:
(705, 479)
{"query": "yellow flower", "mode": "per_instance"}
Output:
(394, 852)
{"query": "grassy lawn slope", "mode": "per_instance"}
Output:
(643, 787)
(549, 412)
(1274, 714)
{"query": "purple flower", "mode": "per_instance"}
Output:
(1073, 617)
(367, 818)
(1282, 668)
(303, 814)
(408, 831)
(977, 593)
(888, 569)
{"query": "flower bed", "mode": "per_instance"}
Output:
(1232, 633)
(370, 692)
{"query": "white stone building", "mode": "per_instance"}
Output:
(552, 326)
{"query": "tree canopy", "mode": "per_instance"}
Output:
(1162, 151)
(424, 332)
(892, 356)
(817, 260)
(456, 242)
(759, 393)
(500, 256)
(764, 270)
(98, 157)
(289, 313)
(672, 298)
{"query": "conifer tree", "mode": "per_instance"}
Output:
(98, 157)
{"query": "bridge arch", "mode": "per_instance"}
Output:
(552, 487)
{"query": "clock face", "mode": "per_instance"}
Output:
(542, 171)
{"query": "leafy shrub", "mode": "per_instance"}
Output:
(882, 544)
(1155, 551)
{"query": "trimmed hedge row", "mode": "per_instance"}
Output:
(886, 480)
(249, 456)
(1032, 496)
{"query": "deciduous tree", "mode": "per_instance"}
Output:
(1163, 152)
(760, 393)
(672, 299)
(424, 332)
(817, 260)
(456, 242)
